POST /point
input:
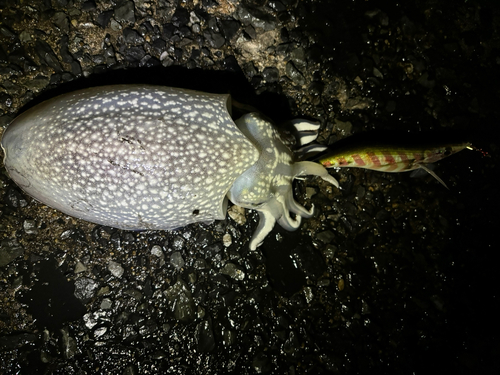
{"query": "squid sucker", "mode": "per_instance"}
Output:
(151, 157)
(404, 153)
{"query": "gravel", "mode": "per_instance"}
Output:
(392, 275)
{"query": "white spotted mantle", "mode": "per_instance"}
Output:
(131, 157)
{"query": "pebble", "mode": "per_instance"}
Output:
(182, 302)
(29, 227)
(205, 336)
(131, 36)
(104, 18)
(233, 271)
(125, 12)
(227, 240)
(115, 268)
(156, 250)
(237, 213)
(271, 74)
(85, 288)
(9, 250)
(176, 260)
(45, 53)
(230, 28)
(294, 74)
(80, 267)
(68, 344)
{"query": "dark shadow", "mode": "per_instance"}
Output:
(214, 81)
(51, 301)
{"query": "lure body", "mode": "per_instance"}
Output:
(390, 157)
(150, 157)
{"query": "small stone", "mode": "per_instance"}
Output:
(227, 240)
(230, 28)
(90, 320)
(104, 18)
(135, 54)
(200, 264)
(294, 74)
(168, 31)
(125, 12)
(106, 304)
(64, 50)
(277, 6)
(237, 213)
(176, 260)
(9, 250)
(298, 57)
(326, 236)
(66, 234)
(329, 252)
(193, 17)
(39, 82)
(377, 73)
(80, 267)
(103, 291)
(116, 269)
(205, 336)
(233, 271)
(181, 302)
(61, 21)
(25, 36)
(30, 227)
(68, 344)
(216, 40)
(157, 251)
(15, 199)
(256, 18)
(5, 101)
(159, 45)
(88, 6)
(134, 293)
(178, 243)
(115, 26)
(343, 127)
(85, 288)
(166, 60)
(192, 277)
(271, 74)
(17, 283)
(341, 284)
(308, 294)
(131, 36)
(181, 17)
(250, 32)
(44, 51)
(100, 331)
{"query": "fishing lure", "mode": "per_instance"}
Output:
(151, 157)
(408, 152)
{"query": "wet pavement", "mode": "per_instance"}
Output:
(393, 274)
